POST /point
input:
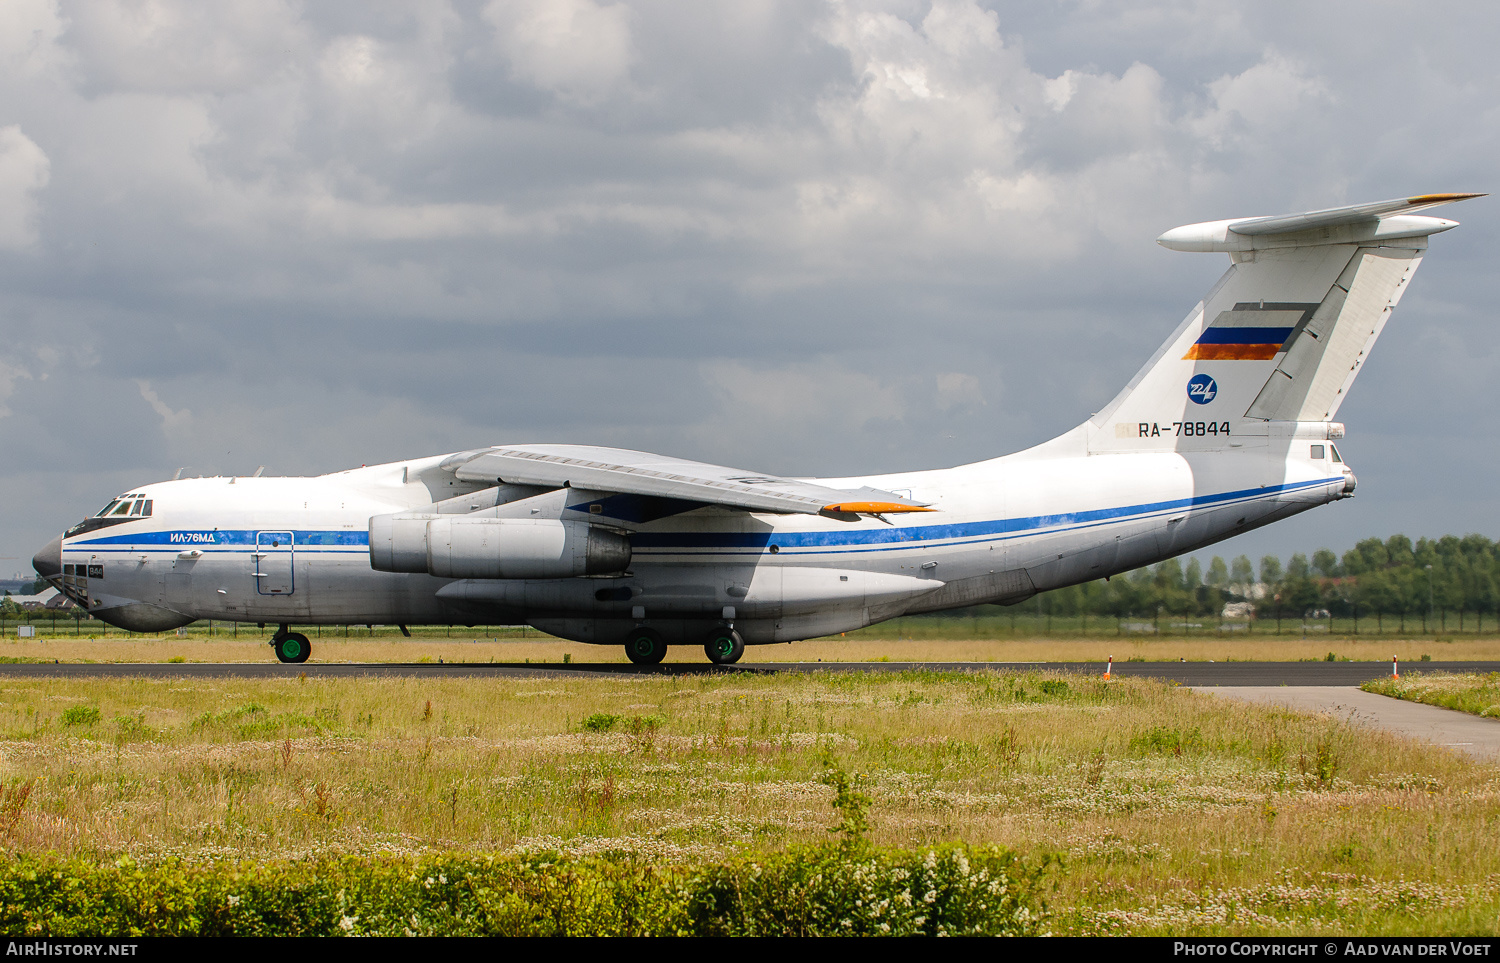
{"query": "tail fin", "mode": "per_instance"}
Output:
(1283, 333)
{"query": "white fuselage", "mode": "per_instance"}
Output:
(296, 550)
(1227, 427)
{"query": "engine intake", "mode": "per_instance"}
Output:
(466, 547)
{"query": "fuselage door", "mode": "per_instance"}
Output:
(273, 563)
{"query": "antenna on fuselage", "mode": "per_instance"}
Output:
(178, 476)
(258, 471)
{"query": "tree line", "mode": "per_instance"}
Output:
(1438, 579)
(1442, 579)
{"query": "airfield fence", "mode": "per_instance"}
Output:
(1447, 587)
(1030, 625)
(64, 626)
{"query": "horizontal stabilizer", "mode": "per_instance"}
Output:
(1357, 223)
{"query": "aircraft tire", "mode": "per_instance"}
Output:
(725, 648)
(292, 647)
(645, 646)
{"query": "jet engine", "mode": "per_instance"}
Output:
(467, 547)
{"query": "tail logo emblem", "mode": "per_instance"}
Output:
(1201, 389)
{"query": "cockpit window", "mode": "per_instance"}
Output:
(128, 505)
(1336, 457)
(1317, 452)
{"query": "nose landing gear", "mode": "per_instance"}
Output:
(291, 646)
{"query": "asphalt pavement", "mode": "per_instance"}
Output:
(1460, 731)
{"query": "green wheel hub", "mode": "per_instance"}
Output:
(725, 647)
(645, 646)
(292, 647)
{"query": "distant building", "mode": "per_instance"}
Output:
(49, 599)
(1238, 610)
(16, 586)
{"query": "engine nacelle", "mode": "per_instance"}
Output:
(465, 547)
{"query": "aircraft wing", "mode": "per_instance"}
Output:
(641, 473)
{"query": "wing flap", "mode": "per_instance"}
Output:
(643, 473)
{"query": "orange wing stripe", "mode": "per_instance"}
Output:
(1436, 198)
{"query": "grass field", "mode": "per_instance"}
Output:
(393, 647)
(1173, 812)
(1466, 692)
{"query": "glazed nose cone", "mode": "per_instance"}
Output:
(48, 562)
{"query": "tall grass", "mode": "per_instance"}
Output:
(1472, 692)
(1173, 812)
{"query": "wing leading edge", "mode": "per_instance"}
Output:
(642, 473)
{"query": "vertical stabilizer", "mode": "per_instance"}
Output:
(1321, 359)
(1282, 334)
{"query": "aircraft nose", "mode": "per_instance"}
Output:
(48, 562)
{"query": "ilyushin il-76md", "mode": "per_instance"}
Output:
(1229, 426)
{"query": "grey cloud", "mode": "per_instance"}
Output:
(758, 232)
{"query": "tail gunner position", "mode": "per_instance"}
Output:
(1228, 427)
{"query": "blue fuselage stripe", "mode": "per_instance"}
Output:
(201, 539)
(992, 529)
(824, 541)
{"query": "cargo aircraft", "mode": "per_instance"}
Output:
(1229, 426)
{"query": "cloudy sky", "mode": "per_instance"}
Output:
(798, 237)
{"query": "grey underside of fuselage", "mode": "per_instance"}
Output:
(682, 597)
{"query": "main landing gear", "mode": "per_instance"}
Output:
(645, 646)
(726, 646)
(290, 646)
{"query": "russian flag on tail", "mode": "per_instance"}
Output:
(1252, 331)
(1238, 344)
